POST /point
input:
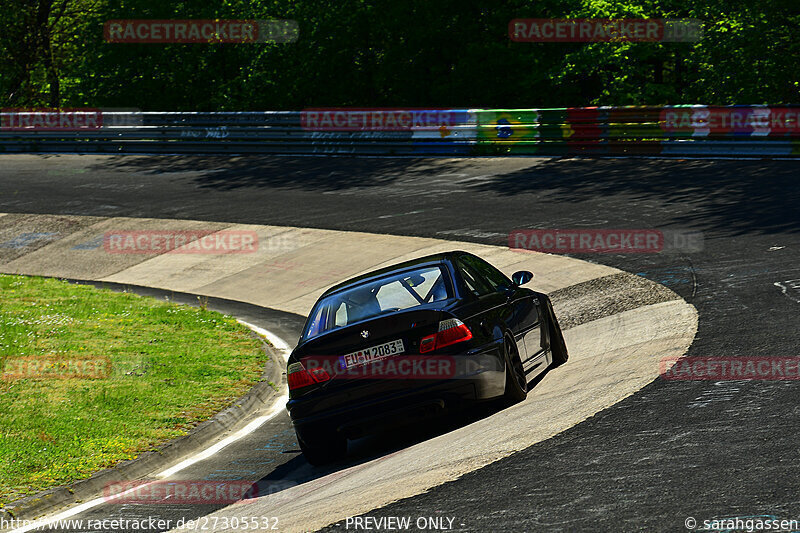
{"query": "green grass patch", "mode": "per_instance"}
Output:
(167, 367)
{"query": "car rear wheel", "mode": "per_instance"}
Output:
(516, 382)
(319, 451)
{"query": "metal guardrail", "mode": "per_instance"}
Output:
(672, 130)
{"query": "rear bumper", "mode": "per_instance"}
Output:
(380, 404)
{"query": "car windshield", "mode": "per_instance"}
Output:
(392, 293)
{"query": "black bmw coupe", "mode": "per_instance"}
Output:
(414, 340)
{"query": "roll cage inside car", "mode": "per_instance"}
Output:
(393, 291)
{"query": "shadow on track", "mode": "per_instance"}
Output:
(731, 196)
(365, 449)
(313, 173)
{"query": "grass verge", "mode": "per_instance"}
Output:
(91, 377)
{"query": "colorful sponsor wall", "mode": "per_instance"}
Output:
(632, 130)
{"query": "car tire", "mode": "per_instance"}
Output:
(516, 382)
(321, 451)
(558, 348)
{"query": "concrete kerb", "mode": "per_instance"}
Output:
(261, 397)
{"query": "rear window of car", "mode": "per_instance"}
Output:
(396, 292)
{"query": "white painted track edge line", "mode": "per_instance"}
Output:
(283, 348)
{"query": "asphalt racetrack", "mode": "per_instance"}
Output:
(674, 450)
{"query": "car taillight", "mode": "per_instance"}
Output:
(450, 332)
(299, 377)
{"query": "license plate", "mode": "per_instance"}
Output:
(374, 353)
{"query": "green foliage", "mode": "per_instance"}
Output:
(447, 53)
(169, 367)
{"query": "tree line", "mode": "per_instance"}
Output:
(395, 53)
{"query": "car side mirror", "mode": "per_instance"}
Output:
(522, 277)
